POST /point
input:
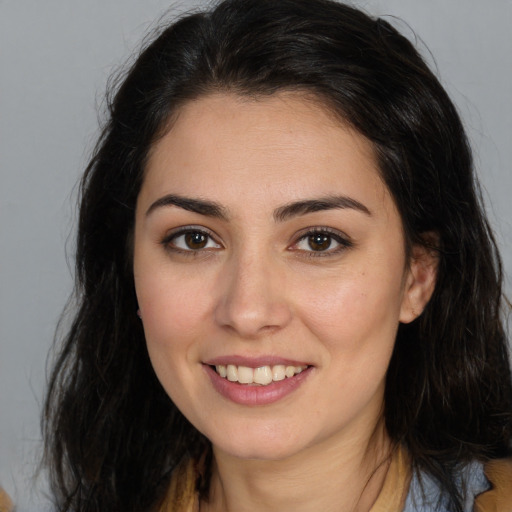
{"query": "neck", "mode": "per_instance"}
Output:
(341, 474)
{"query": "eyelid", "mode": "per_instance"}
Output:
(183, 230)
(344, 241)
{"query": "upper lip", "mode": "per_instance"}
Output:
(254, 362)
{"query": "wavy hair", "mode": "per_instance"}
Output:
(113, 437)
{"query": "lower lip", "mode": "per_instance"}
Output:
(246, 394)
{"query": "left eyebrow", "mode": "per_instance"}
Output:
(316, 205)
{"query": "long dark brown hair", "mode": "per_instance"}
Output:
(113, 437)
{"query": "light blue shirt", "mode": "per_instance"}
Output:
(425, 495)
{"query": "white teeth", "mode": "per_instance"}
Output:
(245, 375)
(289, 371)
(232, 372)
(278, 372)
(263, 375)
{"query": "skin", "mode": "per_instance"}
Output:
(259, 288)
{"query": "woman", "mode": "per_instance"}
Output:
(289, 297)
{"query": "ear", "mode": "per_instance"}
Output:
(420, 280)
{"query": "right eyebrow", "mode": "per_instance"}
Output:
(200, 206)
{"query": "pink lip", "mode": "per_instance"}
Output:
(246, 394)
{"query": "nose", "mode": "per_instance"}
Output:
(252, 300)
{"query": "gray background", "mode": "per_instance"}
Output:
(55, 58)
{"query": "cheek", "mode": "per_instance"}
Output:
(357, 309)
(171, 302)
(356, 320)
(172, 317)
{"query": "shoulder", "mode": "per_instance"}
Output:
(5, 502)
(498, 498)
(484, 487)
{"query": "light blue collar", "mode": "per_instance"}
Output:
(425, 494)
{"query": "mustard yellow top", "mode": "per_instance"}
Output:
(499, 497)
(5, 502)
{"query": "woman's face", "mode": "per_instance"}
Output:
(271, 275)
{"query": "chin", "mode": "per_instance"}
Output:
(265, 443)
(262, 451)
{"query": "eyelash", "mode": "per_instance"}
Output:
(167, 241)
(341, 239)
(333, 235)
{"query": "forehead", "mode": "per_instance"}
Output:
(287, 144)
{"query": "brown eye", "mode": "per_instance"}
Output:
(319, 241)
(322, 242)
(189, 240)
(195, 240)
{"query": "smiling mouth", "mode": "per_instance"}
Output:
(262, 376)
